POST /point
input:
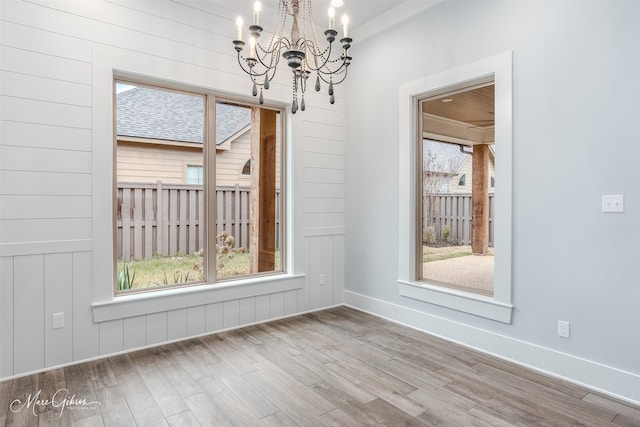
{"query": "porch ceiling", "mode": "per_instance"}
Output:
(467, 114)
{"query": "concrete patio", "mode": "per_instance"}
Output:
(471, 273)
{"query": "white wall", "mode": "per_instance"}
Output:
(55, 122)
(576, 77)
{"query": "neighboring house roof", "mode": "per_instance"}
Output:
(158, 114)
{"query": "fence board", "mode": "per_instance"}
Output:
(126, 223)
(137, 223)
(201, 225)
(237, 225)
(148, 223)
(161, 220)
(182, 225)
(170, 218)
(244, 205)
(173, 222)
(454, 210)
(220, 212)
(192, 221)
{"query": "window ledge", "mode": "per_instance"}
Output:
(477, 305)
(176, 298)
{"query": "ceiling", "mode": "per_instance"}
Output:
(464, 116)
(474, 107)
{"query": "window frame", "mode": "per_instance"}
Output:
(498, 307)
(187, 166)
(209, 181)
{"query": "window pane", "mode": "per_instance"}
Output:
(248, 227)
(458, 166)
(194, 175)
(160, 209)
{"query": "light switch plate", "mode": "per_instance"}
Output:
(613, 203)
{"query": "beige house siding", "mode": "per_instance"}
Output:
(466, 169)
(147, 163)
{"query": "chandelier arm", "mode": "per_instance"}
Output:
(275, 48)
(311, 47)
(338, 72)
(241, 59)
(326, 71)
(274, 55)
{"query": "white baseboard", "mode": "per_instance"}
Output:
(601, 378)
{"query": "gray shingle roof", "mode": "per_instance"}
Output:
(158, 114)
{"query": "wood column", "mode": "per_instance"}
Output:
(262, 239)
(480, 200)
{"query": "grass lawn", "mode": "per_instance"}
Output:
(160, 271)
(437, 253)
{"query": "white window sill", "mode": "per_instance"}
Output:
(176, 298)
(478, 305)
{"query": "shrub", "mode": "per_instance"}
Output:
(429, 236)
(446, 233)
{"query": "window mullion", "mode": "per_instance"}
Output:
(210, 188)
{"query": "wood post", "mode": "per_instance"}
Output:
(262, 246)
(480, 200)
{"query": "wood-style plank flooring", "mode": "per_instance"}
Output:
(337, 367)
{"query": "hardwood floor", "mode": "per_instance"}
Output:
(337, 367)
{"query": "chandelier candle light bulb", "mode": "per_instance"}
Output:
(256, 13)
(345, 26)
(252, 47)
(239, 24)
(332, 18)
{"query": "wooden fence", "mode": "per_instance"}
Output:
(168, 219)
(454, 210)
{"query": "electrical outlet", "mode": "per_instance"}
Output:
(321, 279)
(563, 328)
(58, 320)
(613, 203)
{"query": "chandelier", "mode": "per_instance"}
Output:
(302, 51)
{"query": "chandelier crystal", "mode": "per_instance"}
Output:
(302, 50)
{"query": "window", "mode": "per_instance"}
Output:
(462, 181)
(182, 215)
(246, 169)
(194, 175)
(457, 240)
(413, 282)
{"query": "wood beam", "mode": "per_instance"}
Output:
(262, 240)
(480, 200)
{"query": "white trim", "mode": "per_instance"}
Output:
(111, 65)
(45, 247)
(467, 302)
(499, 68)
(605, 379)
(323, 231)
(171, 299)
(390, 18)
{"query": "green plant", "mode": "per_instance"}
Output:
(446, 233)
(178, 277)
(125, 278)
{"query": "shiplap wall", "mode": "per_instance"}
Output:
(47, 241)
